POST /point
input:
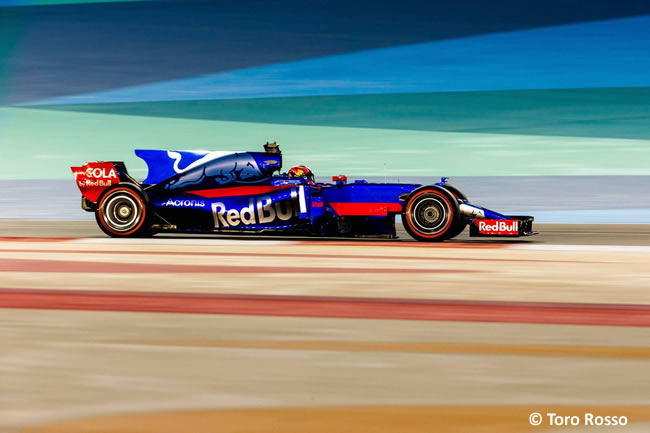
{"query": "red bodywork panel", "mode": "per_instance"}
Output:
(365, 209)
(94, 177)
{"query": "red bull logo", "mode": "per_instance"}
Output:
(498, 227)
(259, 211)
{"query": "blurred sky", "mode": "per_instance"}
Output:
(408, 88)
(69, 49)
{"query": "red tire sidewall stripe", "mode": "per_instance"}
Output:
(451, 213)
(137, 198)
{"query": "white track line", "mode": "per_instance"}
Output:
(593, 248)
(170, 241)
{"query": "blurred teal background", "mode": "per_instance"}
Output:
(548, 102)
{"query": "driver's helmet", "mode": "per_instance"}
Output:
(301, 171)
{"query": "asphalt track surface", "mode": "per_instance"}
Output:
(232, 334)
(564, 234)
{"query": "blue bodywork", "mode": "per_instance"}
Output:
(244, 191)
(204, 191)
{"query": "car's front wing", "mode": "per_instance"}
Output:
(487, 223)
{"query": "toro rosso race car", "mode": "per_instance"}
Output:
(245, 192)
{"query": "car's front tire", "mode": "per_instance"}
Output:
(122, 212)
(429, 214)
(461, 223)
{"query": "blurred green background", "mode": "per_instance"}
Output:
(554, 94)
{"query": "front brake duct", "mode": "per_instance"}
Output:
(472, 212)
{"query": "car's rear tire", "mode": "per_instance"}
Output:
(461, 223)
(429, 214)
(122, 212)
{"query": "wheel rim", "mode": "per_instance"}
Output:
(121, 212)
(430, 215)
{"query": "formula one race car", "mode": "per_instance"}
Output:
(244, 192)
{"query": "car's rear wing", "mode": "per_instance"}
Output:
(94, 177)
